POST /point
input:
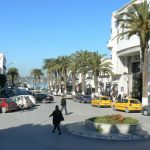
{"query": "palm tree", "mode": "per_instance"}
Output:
(73, 68)
(81, 58)
(13, 73)
(99, 65)
(137, 22)
(36, 73)
(49, 66)
(63, 67)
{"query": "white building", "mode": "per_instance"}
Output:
(2, 63)
(126, 59)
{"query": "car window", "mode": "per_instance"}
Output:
(134, 101)
(104, 98)
(0, 101)
(125, 100)
(87, 96)
(119, 101)
(27, 97)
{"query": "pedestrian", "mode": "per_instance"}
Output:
(63, 104)
(21, 103)
(57, 118)
(119, 97)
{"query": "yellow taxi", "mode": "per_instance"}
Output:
(101, 101)
(127, 105)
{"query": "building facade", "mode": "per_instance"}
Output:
(126, 59)
(2, 63)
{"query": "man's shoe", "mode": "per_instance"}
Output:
(59, 133)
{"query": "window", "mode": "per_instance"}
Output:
(125, 101)
(135, 67)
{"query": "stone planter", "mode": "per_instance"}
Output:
(104, 128)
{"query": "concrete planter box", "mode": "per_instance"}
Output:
(113, 128)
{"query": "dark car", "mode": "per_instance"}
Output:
(43, 98)
(146, 110)
(83, 98)
(7, 105)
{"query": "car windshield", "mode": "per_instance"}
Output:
(134, 101)
(104, 98)
(87, 96)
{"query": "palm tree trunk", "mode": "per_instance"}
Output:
(73, 83)
(52, 82)
(13, 77)
(145, 77)
(56, 81)
(39, 80)
(83, 83)
(96, 83)
(59, 87)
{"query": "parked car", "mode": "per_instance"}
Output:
(101, 101)
(27, 103)
(6, 105)
(68, 95)
(83, 98)
(44, 98)
(31, 97)
(128, 105)
(146, 110)
(56, 93)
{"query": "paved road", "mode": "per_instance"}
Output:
(31, 129)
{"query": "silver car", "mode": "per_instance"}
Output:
(22, 100)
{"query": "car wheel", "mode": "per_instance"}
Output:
(44, 101)
(4, 109)
(145, 112)
(127, 110)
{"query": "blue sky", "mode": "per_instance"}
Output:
(33, 30)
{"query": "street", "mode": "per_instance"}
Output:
(32, 128)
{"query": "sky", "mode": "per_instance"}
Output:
(34, 30)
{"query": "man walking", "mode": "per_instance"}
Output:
(63, 104)
(57, 118)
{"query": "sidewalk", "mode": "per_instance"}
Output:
(79, 129)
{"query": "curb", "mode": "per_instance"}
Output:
(79, 129)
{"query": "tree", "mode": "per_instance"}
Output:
(36, 73)
(81, 58)
(99, 65)
(73, 68)
(13, 73)
(137, 22)
(63, 67)
(48, 65)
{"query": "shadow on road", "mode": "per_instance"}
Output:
(69, 113)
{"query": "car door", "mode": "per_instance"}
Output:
(118, 104)
(124, 104)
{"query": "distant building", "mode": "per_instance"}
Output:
(126, 59)
(2, 63)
